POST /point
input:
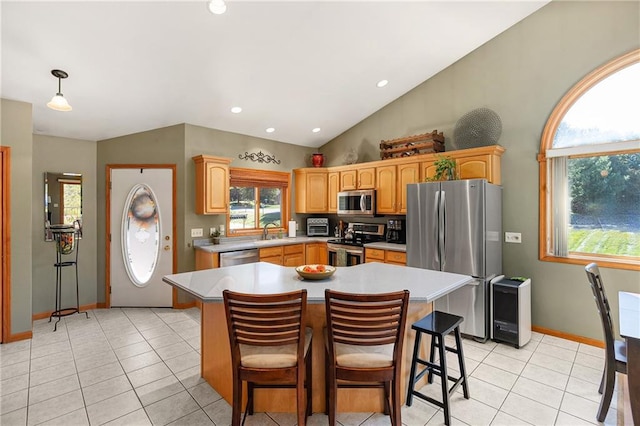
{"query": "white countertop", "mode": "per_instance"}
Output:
(262, 278)
(230, 245)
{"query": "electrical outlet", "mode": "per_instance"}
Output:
(513, 237)
(196, 232)
(221, 230)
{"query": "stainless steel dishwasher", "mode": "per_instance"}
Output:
(239, 257)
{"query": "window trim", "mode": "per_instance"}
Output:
(544, 169)
(239, 176)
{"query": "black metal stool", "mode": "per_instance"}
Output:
(438, 325)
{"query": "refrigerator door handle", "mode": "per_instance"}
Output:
(442, 240)
(436, 252)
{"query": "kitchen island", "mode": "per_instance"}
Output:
(262, 278)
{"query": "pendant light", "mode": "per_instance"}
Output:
(58, 102)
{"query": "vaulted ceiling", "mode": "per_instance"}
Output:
(290, 65)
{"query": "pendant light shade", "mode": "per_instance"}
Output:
(58, 102)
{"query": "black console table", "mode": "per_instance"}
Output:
(67, 239)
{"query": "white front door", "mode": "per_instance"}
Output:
(141, 228)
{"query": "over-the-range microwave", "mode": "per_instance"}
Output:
(357, 203)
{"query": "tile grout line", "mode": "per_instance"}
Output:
(370, 418)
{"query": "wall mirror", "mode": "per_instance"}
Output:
(62, 201)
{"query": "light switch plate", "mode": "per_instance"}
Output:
(196, 232)
(513, 237)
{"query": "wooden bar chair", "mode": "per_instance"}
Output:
(365, 335)
(615, 350)
(270, 347)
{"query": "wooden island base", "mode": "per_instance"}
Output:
(216, 364)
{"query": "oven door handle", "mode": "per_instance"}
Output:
(349, 251)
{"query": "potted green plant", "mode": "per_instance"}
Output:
(445, 169)
(215, 236)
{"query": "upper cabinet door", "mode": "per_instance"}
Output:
(366, 178)
(212, 184)
(311, 190)
(407, 173)
(332, 192)
(348, 180)
(386, 193)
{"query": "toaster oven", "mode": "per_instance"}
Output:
(317, 227)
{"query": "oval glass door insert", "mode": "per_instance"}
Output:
(140, 234)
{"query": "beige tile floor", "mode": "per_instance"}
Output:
(141, 366)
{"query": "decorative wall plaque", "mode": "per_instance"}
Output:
(260, 157)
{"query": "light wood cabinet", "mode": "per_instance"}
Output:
(333, 186)
(473, 163)
(427, 170)
(212, 184)
(271, 255)
(293, 255)
(348, 180)
(395, 257)
(480, 167)
(385, 256)
(373, 255)
(316, 253)
(367, 177)
(316, 188)
(391, 196)
(358, 178)
(407, 173)
(311, 190)
(207, 260)
(386, 191)
(287, 255)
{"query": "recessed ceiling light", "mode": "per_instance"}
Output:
(382, 83)
(316, 130)
(217, 7)
(236, 110)
(270, 130)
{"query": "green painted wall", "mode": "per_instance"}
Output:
(159, 146)
(521, 74)
(16, 132)
(202, 140)
(62, 155)
(177, 145)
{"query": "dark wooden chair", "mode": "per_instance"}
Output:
(365, 335)
(270, 347)
(615, 350)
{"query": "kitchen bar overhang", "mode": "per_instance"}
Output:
(263, 278)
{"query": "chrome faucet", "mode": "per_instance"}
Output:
(264, 231)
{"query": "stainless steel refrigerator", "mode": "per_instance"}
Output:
(455, 226)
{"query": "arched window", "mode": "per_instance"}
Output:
(590, 170)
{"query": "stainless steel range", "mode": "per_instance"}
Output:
(349, 250)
